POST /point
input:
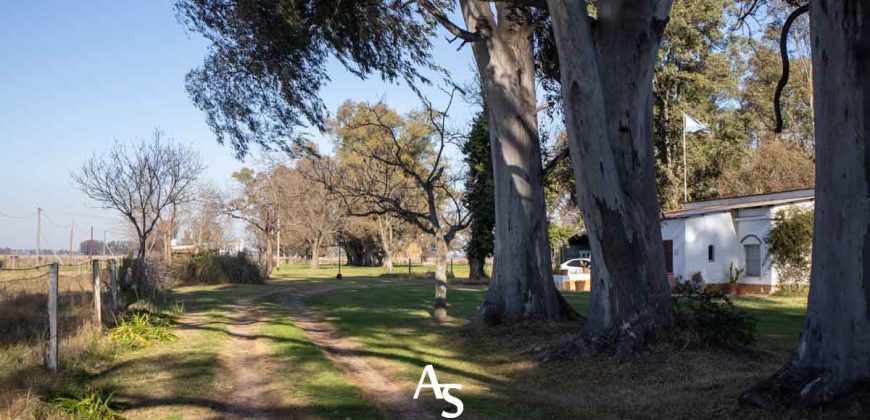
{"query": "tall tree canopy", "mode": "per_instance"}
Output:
(479, 196)
(267, 60)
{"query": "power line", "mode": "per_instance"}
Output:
(52, 221)
(30, 216)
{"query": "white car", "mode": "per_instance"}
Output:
(575, 266)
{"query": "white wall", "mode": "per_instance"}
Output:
(727, 231)
(715, 229)
(674, 230)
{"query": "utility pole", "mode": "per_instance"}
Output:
(71, 230)
(91, 243)
(38, 232)
(105, 242)
(685, 168)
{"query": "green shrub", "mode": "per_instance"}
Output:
(212, 268)
(142, 328)
(90, 404)
(710, 319)
(791, 238)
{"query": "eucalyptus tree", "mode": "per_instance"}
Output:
(832, 357)
(606, 83)
(268, 62)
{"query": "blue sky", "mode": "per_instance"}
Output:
(76, 76)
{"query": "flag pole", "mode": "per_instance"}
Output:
(685, 170)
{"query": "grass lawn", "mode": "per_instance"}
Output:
(500, 379)
(390, 319)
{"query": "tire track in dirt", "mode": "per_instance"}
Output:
(246, 380)
(374, 376)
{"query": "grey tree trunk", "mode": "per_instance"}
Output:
(315, 254)
(607, 92)
(440, 307)
(522, 285)
(385, 230)
(833, 356)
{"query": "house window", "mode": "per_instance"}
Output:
(753, 259)
(711, 253)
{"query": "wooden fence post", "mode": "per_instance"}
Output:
(113, 283)
(51, 350)
(98, 314)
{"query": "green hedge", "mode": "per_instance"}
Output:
(212, 268)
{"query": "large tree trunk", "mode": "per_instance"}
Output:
(522, 287)
(833, 356)
(607, 93)
(315, 254)
(476, 270)
(440, 307)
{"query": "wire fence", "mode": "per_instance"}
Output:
(48, 305)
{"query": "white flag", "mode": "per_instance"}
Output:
(692, 125)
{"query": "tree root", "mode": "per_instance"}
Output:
(491, 315)
(623, 342)
(793, 389)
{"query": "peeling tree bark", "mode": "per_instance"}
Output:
(440, 307)
(522, 286)
(833, 356)
(607, 92)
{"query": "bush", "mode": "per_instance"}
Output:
(710, 319)
(211, 268)
(142, 328)
(90, 404)
(791, 239)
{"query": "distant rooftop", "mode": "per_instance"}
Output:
(732, 203)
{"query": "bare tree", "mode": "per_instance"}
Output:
(258, 204)
(140, 180)
(389, 165)
(205, 219)
(309, 213)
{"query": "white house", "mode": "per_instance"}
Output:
(706, 237)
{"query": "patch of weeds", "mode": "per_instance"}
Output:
(710, 319)
(792, 290)
(92, 404)
(141, 328)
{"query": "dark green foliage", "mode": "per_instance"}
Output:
(479, 190)
(91, 404)
(268, 59)
(211, 268)
(791, 238)
(710, 319)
